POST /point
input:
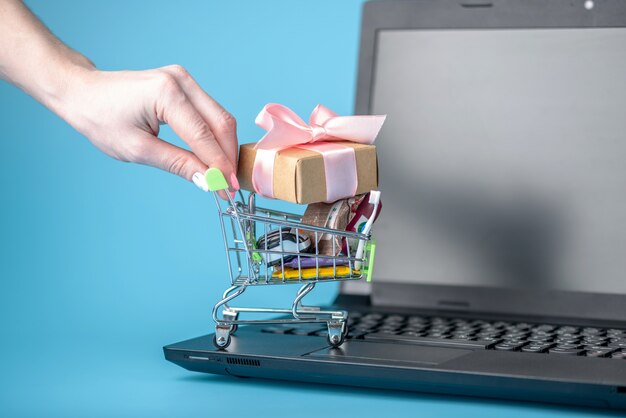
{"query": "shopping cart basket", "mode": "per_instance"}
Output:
(250, 264)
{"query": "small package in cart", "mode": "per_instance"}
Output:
(330, 158)
(270, 247)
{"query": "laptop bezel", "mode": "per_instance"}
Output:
(477, 14)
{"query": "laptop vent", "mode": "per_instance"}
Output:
(243, 361)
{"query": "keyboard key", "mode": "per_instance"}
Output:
(414, 328)
(483, 336)
(592, 331)
(594, 338)
(569, 336)
(389, 328)
(566, 351)
(544, 328)
(617, 344)
(412, 333)
(599, 352)
(567, 330)
(508, 346)
(539, 338)
(488, 340)
(536, 348)
(515, 335)
(542, 334)
(567, 340)
(569, 346)
(491, 329)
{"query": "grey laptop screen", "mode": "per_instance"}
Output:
(503, 158)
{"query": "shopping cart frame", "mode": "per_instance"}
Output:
(247, 268)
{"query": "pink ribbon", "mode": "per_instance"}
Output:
(285, 129)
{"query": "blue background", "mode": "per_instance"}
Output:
(103, 263)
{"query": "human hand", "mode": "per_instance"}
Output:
(120, 113)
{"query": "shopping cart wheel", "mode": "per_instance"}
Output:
(219, 344)
(336, 333)
(221, 339)
(335, 341)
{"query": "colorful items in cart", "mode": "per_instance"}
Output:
(327, 215)
(350, 214)
(362, 209)
(273, 245)
(309, 261)
(330, 158)
(312, 272)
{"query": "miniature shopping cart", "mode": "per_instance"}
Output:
(251, 264)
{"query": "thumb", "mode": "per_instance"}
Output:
(161, 154)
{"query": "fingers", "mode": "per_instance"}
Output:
(222, 123)
(176, 109)
(161, 154)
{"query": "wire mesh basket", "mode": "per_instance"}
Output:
(270, 247)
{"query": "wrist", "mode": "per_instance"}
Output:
(57, 88)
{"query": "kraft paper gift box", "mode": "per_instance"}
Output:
(299, 174)
(330, 158)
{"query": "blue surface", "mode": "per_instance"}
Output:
(103, 263)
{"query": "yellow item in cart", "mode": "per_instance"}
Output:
(311, 272)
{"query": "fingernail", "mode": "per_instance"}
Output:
(199, 180)
(233, 181)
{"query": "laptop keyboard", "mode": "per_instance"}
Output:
(477, 334)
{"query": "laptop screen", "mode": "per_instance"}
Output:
(503, 158)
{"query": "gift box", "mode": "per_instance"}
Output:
(330, 158)
(299, 174)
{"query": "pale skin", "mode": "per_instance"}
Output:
(118, 111)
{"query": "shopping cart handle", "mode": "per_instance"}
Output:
(215, 179)
(212, 180)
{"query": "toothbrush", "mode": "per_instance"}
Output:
(374, 200)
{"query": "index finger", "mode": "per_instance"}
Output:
(175, 109)
(222, 123)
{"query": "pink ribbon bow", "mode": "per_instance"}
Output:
(285, 129)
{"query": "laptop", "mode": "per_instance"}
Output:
(501, 247)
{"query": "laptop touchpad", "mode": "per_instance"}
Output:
(358, 351)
